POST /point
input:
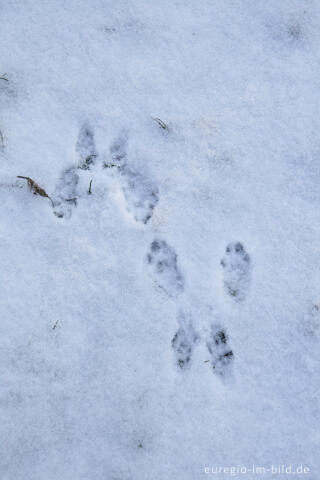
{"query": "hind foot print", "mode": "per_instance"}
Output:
(221, 354)
(65, 196)
(237, 266)
(183, 343)
(140, 195)
(85, 147)
(163, 263)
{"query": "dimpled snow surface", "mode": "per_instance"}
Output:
(160, 296)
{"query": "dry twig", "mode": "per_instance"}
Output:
(35, 189)
(161, 124)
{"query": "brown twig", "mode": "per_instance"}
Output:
(35, 189)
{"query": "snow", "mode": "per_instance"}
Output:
(91, 385)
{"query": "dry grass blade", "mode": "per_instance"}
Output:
(55, 325)
(161, 124)
(35, 189)
(3, 77)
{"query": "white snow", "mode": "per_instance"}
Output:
(90, 383)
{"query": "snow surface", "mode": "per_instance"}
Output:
(91, 384)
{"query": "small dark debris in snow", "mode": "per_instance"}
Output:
(55, 325)
(110, 165)
(161, 123)
(35, 189)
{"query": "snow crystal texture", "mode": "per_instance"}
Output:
(160, 311)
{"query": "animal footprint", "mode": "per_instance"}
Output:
(237, 266)
(183, 342)
(140, 195)
(162, 260)
(221, 354)
(85, 147)
(65, 196)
